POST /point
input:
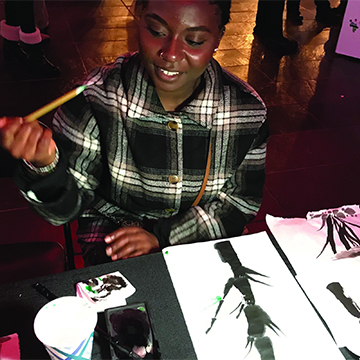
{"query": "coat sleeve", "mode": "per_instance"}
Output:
(61, 196)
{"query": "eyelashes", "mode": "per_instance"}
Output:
(155, 33)
(195, 43)
(159, 34)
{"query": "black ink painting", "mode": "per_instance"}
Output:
(337, 222)
(241, 302)
(347, 302)
(104, 286)
(258, 320)
(105, 291)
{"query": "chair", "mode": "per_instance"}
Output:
(29, 246)
(20, 261)
(25, 260)
(69, 246)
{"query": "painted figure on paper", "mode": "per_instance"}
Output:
(354, 25)
(103, 287)
(349, 304)
(337, 221)
(256, 317)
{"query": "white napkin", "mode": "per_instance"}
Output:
(105, 291)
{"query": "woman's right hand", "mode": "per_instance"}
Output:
(27, 140)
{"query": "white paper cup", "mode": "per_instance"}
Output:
(66, 328)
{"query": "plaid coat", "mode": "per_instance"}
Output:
(124, 160)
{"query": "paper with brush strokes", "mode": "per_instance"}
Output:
(263, 314)
(324, 250)
(105, 291)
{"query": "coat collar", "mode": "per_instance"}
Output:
(143, 100)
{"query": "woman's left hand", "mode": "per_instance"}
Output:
(128, 242)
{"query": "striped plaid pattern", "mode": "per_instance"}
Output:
(121, 152)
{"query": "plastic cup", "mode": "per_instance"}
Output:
(66, 328)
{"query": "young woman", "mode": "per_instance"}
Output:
(130, 154)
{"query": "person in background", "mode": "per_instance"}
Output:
(269, 22)
(22, 41)
(269, 27)
(325, 14)
(130, 155)
(293, 13)
(41, 15)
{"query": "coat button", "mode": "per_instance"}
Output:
(172, 125)
(174, 179)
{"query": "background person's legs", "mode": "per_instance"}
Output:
(325, 14)
(269, 27)
(19, 28)
(293, 12)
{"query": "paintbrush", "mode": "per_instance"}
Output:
(54, 104)
(50, 106)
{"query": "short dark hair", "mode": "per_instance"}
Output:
(223, 5)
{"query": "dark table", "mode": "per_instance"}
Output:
(19, 304)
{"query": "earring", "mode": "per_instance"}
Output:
(215, 50)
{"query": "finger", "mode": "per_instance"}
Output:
(120, 248)
(45, 149)
(25, 141)
(14, 137)
(127, 253)
(8, 130)
(46, 145)
(119, 233)
(133, 254)
(122, 256)
(128, 246)
(7, 122)
(135, 247)
(129, 242)
(3, 122)
(110, 238)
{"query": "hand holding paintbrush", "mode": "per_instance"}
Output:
(25, 138)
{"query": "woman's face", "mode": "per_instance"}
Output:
(177, 39)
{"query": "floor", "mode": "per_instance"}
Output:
(313, 102)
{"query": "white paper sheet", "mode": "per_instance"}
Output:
(302, 241)
(339, 307)
(199, 277)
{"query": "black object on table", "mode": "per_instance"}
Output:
(20, 302)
